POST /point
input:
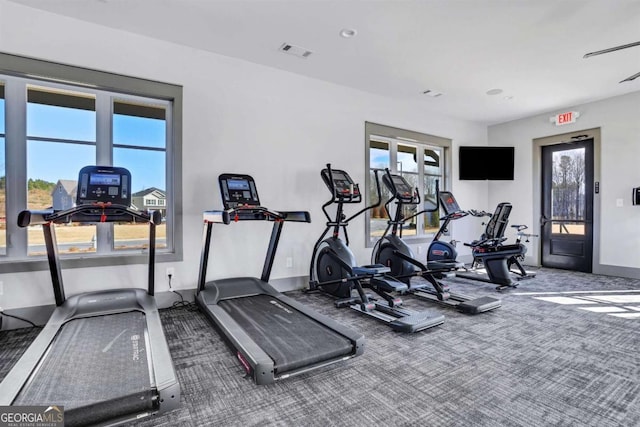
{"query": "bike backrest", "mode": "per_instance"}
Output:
(498, 223)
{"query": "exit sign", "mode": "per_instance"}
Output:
(565, 118)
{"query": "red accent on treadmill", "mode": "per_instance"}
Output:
(244, 363)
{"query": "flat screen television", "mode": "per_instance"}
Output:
(481, 163)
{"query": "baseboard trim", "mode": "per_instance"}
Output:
(617, 270)
(286, 284)
(41, 314)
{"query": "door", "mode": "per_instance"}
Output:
(567, 206)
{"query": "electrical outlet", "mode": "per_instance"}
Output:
(289, 262)
(419, 250)
(170, 272)
(1, 288)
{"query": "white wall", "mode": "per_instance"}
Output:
(619, 121)
(238, 117)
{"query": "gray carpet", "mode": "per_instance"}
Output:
(532, 362)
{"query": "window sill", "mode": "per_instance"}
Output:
(41, 264)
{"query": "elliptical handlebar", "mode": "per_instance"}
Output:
(520, 233)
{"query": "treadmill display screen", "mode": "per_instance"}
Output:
(238, 184)
(104, 184)
(104, 179)
(238, 190)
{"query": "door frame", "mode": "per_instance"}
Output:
(537, 145)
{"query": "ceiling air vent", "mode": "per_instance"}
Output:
(295, 50)
(432, 93)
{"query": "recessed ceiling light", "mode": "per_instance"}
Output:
(348, 32)
(494, 91)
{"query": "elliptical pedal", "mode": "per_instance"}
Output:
(479, 305)
(417, 322)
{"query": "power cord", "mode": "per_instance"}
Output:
(182, 303)
(22, 319)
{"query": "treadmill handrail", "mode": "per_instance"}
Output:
(254, 213)
(87, 213)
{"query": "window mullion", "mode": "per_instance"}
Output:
(393, 156)
(421, 190)
(16, 164)
(104, 156)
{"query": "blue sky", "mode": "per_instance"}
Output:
(53, 161)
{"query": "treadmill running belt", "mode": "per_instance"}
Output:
(290, 338)
(95, 365)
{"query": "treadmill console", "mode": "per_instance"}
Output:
(344, 186)
(399, 187)
(104, 184)
(238, 190)
(449, 203)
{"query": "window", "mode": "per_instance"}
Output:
(421, 159)
(75, 117)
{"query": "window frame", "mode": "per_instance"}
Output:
(16, 73)
(394, 136)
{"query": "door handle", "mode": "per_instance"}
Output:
(544, 220)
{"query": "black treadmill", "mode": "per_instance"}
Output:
(274, 336)
(102, 355)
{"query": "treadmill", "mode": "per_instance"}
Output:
(102, 356)
(274, 336)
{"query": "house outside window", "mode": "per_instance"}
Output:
(50, 129)
(150, 199)
(422, 160)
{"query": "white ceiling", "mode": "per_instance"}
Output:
(531, 49)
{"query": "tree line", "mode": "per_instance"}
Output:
(568, 185)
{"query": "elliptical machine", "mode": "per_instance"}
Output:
(489, 251)
(334, 270)
(391, 251)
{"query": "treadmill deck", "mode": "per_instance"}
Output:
(290, 338)
(95, 365)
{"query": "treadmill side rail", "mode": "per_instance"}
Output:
(165, 375)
